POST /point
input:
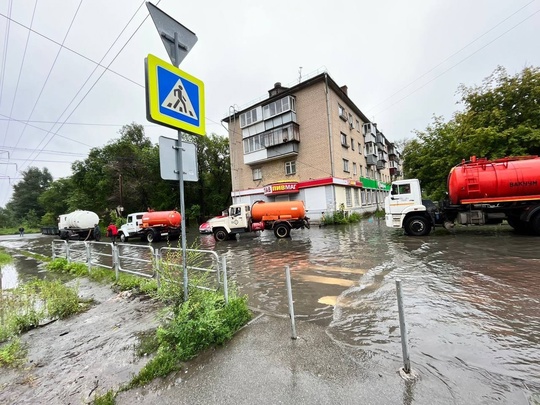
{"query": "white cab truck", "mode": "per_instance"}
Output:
(151, 226)
(280, 217)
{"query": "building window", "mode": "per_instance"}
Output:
(342, 113)
(257, 174)
(356, 197)
(278, 107)
(348, 197)
(290, 167)
(359, 148)
(354, 169)
(360, 171)
(250, 117)
(344, 140)
(352, 144)
(345, 165)
(358, 126)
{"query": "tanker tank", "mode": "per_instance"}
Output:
(482, 180)
(268, 211)
(79, 219)
(161, 218)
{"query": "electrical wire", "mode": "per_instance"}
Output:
(20, 73)
(50, 71)
(67, 48)
(458, 63)
(93, 85)
(4, 54)
(448, 58)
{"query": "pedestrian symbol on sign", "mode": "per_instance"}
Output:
(178, 100)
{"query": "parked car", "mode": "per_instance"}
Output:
(206, 227)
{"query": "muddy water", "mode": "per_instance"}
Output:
(471, 298)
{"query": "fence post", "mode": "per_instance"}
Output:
(291, 305)
(403, 329)
(157, 258)
(68, 255)
(225, 283)
(88, 255)
(115, 260)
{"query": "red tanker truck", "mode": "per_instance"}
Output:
(480, 191)
(280, 217)
(151, 226)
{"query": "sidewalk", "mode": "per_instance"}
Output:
(263, 365)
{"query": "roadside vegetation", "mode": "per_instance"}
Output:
(187, 326)
(343, 217)
(26, 307)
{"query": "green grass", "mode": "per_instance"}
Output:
(5, 258)
(106, 399)
(13, 353)
(204, 320)
(24, 307)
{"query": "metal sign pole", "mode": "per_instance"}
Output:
(180, 167)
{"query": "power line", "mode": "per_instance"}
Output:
(458, 63)
(20, 72)
(93, 85)
(451, 56)
(68, 49)
(48, 74)
(4, 55)
(7, 118)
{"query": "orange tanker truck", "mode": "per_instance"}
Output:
(151, 226)
(280, 217)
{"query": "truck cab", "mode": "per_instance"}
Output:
(237, 221)
(132, 227)
(404, 208)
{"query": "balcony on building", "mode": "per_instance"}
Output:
(371, 160)
(383, 156)
(369, 131)
(274, 144)
(394, 171)
(381, 144)
(381, 164)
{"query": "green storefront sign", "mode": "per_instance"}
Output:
(374, 184)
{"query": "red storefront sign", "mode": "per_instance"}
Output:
(281, 188)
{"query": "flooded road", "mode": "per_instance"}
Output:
(471, 297)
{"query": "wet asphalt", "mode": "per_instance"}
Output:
(264, 365)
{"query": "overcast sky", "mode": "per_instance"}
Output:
(402, 63)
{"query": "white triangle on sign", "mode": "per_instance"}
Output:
(178, 100)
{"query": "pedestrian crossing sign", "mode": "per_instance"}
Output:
(174, 98)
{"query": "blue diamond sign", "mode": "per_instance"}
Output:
(174, 98)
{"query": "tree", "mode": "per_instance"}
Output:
(56, 200)
(500, 118)
(26, 193)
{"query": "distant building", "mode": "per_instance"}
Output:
(310, 142)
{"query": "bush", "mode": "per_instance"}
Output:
(13, 353)
(198, 323)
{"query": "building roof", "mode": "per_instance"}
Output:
(284, 91)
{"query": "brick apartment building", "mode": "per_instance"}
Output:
(310, 142)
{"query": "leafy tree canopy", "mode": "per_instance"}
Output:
(500, 118)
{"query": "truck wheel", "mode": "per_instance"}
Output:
(220, 234)
(417, 226)
(536, 224)
(282, 231)
(519, 225)
(152, 236)
(123, 238)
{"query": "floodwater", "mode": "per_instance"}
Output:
(471, 297)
